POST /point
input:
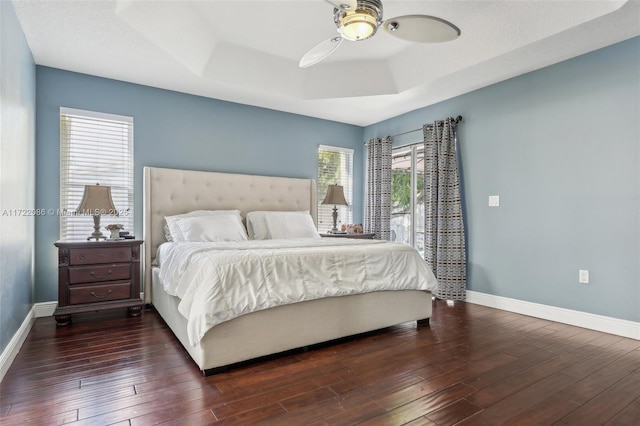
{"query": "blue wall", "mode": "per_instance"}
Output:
(561, 147)
(17, 174)
(175, 130)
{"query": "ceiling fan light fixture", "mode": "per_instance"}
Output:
(358, 20)
(358, 26)
(361, 23)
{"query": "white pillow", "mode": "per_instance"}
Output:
(290, 225)
(172, 231)
(257, 226)
(214, 228)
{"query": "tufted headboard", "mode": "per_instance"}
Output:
(172, 191)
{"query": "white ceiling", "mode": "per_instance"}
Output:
(248, 51)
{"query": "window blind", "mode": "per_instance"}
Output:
(335, 166)
(94, 148)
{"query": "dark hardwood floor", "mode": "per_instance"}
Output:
(472, 365)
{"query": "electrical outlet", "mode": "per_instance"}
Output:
(494, 200)
(583, 276)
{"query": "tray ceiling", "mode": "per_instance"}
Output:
(248, 51)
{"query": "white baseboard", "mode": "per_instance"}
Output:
(12, 349)
(38, 310)
(610, 325)
(45, 309)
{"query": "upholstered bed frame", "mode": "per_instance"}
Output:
(170, 191)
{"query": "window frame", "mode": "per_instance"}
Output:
(324, 212)
(415, 153)
(108, 132)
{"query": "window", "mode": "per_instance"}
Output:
(94, 148)
(335, 166)
(407, 196)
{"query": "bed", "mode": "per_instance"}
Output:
(276, 329)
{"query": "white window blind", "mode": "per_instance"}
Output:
(335, 166)
(94, 148)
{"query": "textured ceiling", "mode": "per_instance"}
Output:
(248, 51)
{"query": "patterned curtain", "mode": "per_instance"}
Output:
(444, 228)
(377, 209)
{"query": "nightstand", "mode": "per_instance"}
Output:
(357, 236)
(97, 275)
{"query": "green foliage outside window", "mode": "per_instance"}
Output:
(401, 191)
(329, 170)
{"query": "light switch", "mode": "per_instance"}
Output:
(494, 200)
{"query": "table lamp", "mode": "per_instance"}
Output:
(97, 201)
(335, 196)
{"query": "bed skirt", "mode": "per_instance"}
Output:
(283, 328)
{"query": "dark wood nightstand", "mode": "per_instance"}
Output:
(97, 275)
(357, 236)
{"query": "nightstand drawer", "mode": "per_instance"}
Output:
(98, 273)
(99, 293)
(89, 256)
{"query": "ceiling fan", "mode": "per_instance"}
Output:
(359, 20)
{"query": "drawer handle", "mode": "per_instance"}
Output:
(93, 274)
(93, 293)
(119, 255)
(82, 257)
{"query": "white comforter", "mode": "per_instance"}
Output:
(217, 282)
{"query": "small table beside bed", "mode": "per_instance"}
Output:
(232, 293)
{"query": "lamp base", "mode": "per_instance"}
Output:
(335, 220)
(96, 230)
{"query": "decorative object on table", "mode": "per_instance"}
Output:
(96, 201)
(125, 235)
(353, 228)
(114, 228)
(335, 196)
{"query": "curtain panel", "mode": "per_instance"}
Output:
(444, 227)
(377, 212)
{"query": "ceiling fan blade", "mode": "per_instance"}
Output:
(320, 51)
(421, 28)
(344, 4)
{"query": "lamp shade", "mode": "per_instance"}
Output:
(97, 200)
(335, 196)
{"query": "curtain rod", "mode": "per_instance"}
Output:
(456, 120)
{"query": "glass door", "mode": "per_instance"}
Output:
(407, 198)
